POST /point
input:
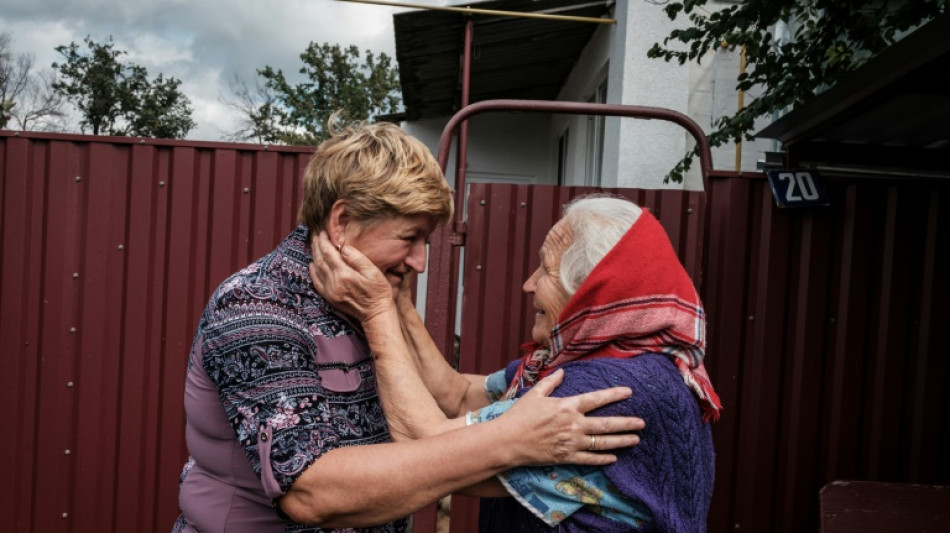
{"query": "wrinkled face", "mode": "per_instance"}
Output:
(396, 245)
(545, 283)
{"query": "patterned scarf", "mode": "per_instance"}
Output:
(637, 300)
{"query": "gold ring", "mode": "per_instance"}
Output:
(593, 440)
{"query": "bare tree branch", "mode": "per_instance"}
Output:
(27, 98)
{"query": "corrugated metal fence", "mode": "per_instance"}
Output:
(828, 344)
(109, 250)
(828, 327)
(828, 330)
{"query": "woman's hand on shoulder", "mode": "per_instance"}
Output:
(348, 280)
(557, 430)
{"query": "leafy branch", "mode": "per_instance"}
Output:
(829, 38)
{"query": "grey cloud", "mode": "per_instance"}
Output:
(205, 42)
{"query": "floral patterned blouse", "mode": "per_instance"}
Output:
(275, 380)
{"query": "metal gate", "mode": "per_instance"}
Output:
(109, 249)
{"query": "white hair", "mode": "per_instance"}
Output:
(598, 222)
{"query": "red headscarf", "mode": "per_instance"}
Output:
(637, 300)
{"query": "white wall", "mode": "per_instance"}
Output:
(713, 95)
(640, 153)
(501, 146)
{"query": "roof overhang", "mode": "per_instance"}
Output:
(891, 113)
(512, 57)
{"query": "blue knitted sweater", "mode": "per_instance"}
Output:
(670, 472)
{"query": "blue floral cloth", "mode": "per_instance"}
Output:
(554, 493)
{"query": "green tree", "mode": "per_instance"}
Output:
(829, 38)
(116, 98)
(337, 80)
(156, 108)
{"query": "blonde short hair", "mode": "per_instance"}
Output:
(381, 172)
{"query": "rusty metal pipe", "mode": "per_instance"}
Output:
(461, 158)
(576, 108)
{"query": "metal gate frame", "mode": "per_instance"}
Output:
(445, 243)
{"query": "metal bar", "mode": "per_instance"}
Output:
(461, 160)
(580, 108)
(148, 141)
(462, 156)
(476, 11)
(731, 174)
(887, 173)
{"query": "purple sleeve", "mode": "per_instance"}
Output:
(272, 396)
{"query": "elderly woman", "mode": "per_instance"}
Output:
(613, 307)
(284, 425)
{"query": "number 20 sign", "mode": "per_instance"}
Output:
(797, 188)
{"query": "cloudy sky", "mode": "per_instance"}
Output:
(204, 43)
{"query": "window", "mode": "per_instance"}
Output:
(595, 139)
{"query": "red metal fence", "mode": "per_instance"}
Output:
(109, 249)
(828, 327)
(829, 344)
(828, 330)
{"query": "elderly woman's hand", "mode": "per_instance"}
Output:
(556, 430)
(348, 280)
